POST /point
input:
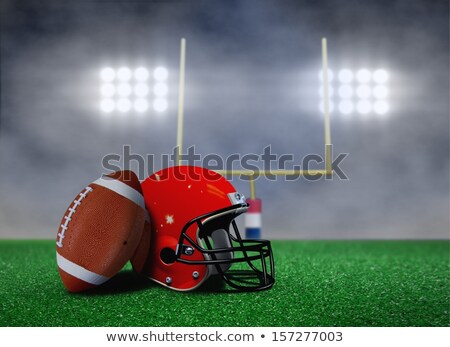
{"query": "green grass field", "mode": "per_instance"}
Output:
(319, 283)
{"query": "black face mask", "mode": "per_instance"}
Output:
(245, 265)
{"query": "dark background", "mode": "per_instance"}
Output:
(251, 81)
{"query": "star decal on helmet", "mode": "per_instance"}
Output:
(169, 219)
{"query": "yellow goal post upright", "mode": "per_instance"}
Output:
(328, 171)
(179, 147)
(253, 217)
(239, 172)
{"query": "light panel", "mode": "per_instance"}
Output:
(380, 76)
(160, 73)
(363, 76)
(381, 107)
(364, 107)
(107, 105)
(160, 105)
(345, 76)
(330, 107)
(107, 74)
(346, 91)
(361, 91)
(107, 90)
(346, 107)
(140, 105)
(124, 74)
(380, 92)
(160, 89)
(141, 89)
(126, 89)
(141, 74)
(124, 105)
(330, 75)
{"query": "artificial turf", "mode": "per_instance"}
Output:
(318, 283)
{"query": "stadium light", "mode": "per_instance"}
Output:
(331, 107)
(345, 76)
(124, 74)
(330, 75)
(363, 91)
(107, 74)
(330, 91)
(107, 90)
(160, 105)
(345, 91)
(358, 91)
(160, 89)
(346, 107)
(123, 89)
(380, 76)
(127, 90)
(381, 107)
(363, 76)
(124, 105)
(364, 106)
(140, 105)
(107, 105)
(160, 73)
(141, 89)
(380, 91)
(141, 74)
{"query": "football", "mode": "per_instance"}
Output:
(140, 257)
(100, 231)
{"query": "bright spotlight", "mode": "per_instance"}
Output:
(141, 89)
(330, 75)
(380, 92)
(363, 76)
(107, 105)
(107, 90)
(141, 74)
(160, 89)
(381, 107)
(123, 105)
(160, 73)
(107, 74)
(345, 91)
(363, 91)
(124, 89)
(160, 105)
(345, 76)
(346, 107)
(124, 74)
(330, 91)
(380, 76)
(330, 107)
(140, 105)
(364, 107)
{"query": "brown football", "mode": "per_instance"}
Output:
(100, 231)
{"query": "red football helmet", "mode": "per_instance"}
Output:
(194, 234)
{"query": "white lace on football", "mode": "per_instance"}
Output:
(68, 217)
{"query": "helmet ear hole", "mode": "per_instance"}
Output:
(167, 255)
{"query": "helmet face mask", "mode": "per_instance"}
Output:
(194, 234)
(246, 265)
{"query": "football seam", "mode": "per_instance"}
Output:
(68, 217)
